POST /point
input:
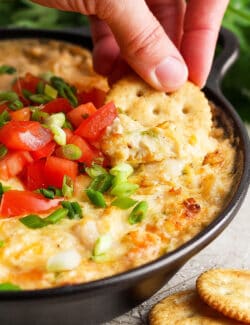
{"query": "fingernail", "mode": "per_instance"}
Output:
(171, 73)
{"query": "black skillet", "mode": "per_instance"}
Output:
(102, 300)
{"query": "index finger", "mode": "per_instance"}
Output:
(201, 26)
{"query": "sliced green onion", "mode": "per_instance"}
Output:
(67, 125)
(67, 186)
(95, 170)
(74, 209)
(3, 189)
(2, 243)
(7, 286)
(50, 91)
(57, 191)
(26, 93)
(9, 96)
(40, 87)
(4, 118)
(49, 194)
(102, 245)
(15, 105)
(59, 135)
(70, 151)
(138, 213)
(56, 216)
(123, 203)
(7, 69)
(64, 90)
(64, 261)
(47, 76)
(40, 98)
(124, 189)
(3, 151)
(101, 183)
(96, 198)
(33, 221)
(119, 179)
(57, 119)
(122, 168)
(38, 115)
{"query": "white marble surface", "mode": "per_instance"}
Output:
(231, 250)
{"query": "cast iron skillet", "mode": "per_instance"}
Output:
(102, 300)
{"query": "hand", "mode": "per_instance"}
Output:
(164, 41)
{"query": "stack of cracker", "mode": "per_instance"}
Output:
(222, 297)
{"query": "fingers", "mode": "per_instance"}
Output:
(142, 40)
(106, 50)
(145, 45)
(201, 27)
(170, 14)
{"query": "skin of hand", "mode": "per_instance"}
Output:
(164, 41)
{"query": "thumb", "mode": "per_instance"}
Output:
(142, 40)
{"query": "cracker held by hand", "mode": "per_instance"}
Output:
(227, 291)
(186, 308)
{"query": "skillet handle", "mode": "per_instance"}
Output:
(224, 60)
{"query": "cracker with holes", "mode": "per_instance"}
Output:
(186, 308)
(227, 291)
(157, 125)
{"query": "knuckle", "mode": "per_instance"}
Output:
(144, 43)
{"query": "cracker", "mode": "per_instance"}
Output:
(186, 308)
(227, 291)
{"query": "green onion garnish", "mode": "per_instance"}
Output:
(40, 87)
(56, 216)
(7, 286)
(15, 105)
(138, 213)
(67, 186)
(67, 125)
(50, 91)
(74, 209)
(9, 96)
(122, 168)
(26, 93)
(96, 198)
(7, 69)
(57, 191)
(124, 189)
(95, 170)
(64, 90)
(47, 76)
(102, 245)
(33, 221)
(3, 151)
(101, 183)
(38, 115)
(2, 243)
(123, 203)
(59, 135)
(4, 117)
(49, 194)
(56, 119)
(40, 98)
(70, 151)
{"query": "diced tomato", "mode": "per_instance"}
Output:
(16, 203)
(80, 113)
(21, 114)
(95, 95)
(57, 105)
(35, 177)
(56, 168)
(24, 135)
(45, 151)
(29, 82)
(13, 163)
(89, 153)
(69, 134)
(92, 127)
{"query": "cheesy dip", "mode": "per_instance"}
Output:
(97, 181)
